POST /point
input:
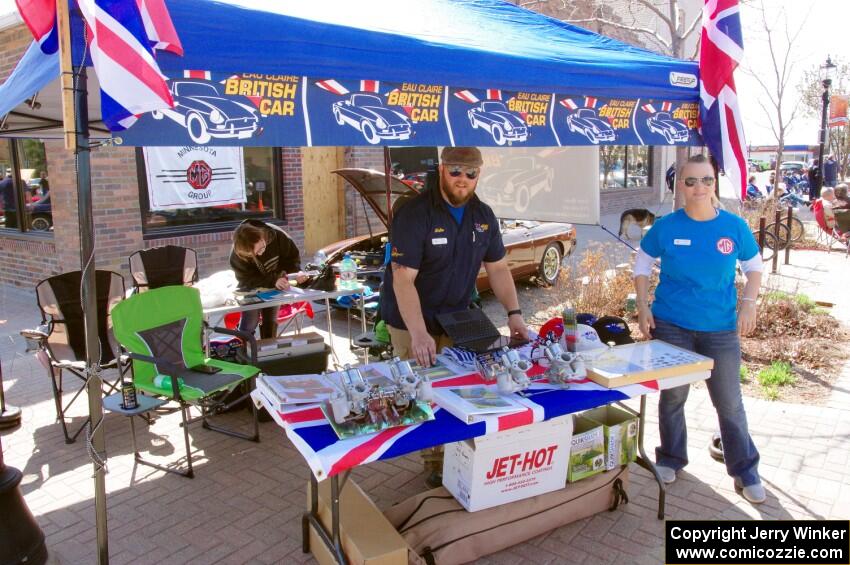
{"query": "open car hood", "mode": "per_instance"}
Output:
(372, 185)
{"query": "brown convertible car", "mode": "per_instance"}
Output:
(534, 248)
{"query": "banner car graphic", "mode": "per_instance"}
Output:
(194, 177)
(285, 110)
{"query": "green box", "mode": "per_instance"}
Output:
(620, 429)
(587, 449)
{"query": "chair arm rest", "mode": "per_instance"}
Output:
(36, 334)
(247, 337)
(164, 367)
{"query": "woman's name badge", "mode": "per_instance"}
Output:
(439, 241)
(681, 242)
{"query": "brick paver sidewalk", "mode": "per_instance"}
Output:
(245, 502)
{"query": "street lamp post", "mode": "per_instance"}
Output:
(827, 70)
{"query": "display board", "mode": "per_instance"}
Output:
(648, 360)
(541, 183)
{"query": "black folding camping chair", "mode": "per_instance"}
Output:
(163, 266)
(61, 336)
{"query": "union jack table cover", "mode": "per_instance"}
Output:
(312, 435)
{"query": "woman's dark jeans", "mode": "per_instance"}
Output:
(724, 388)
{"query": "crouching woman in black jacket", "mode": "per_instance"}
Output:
(261, 257)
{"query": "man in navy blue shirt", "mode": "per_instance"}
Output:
(439, 241)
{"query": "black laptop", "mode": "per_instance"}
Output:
(472, 330)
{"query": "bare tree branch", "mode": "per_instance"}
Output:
(618, 25)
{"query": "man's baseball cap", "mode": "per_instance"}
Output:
(467, 156)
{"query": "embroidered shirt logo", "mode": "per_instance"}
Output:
(481, 228)
(396, 253)
(725, 245)
(439, 230)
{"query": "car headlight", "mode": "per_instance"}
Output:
(508, 127)
(216, 117)
(381, 123)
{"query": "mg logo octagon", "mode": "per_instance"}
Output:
(199, 175)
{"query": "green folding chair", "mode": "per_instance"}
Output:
(162, 332)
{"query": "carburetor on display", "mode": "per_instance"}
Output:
(564, 366)
(379, 404)
(508, 369)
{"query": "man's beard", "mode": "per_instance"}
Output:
(453, 199)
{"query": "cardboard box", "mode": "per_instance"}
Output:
(587, 449)
(367, 536)
(499, 468)
(304, 343)
(620, 429)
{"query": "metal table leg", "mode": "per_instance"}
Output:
(645, 462)
(331, 540)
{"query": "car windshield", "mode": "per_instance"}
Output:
(586, 113)
(493, 106)
(365, 100)
(520, 163)
(663, 116)
(195, 89)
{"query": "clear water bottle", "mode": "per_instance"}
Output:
(164, 382)
(347, 273)
(570, 327)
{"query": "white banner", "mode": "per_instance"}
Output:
(194, 177)
(547, 184)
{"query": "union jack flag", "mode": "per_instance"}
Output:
(309, 431)
(122, 37)
(721, 50)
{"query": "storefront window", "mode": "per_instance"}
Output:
(264, 199)
(624, 166)
(24, 187)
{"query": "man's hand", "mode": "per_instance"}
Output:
(282, 283)
(746, 318)
(645, 320)
(517, 326)
(424, 349)
(301, 277)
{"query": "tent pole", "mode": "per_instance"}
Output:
(89, 297)
(388, 170)
(76, 116)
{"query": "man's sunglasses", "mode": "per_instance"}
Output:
(691, 182)
(457, 170)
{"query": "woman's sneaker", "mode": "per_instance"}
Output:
(667, 474)
(755, 494)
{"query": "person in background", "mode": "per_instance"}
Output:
(815, 181)
(840, 200)
(262, 256)
(44, 186)
(696, 307)
(830, 171)
(670, 177)
(10, 207)
(753, 192)
(771, 183)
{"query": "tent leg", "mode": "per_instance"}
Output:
(89, 297)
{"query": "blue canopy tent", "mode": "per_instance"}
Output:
(373, 72)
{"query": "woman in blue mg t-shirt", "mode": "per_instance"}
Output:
(696, 307)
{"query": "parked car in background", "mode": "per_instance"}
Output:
(792, 166)
(40, 214)
(534, 248)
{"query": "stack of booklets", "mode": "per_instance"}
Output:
(288, 390)
(469, 404)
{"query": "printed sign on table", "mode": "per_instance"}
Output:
(194, 176)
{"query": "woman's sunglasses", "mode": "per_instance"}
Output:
(457, 170)
(691, 182)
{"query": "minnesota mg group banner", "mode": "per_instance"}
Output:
(194, 176)
(283, 110)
